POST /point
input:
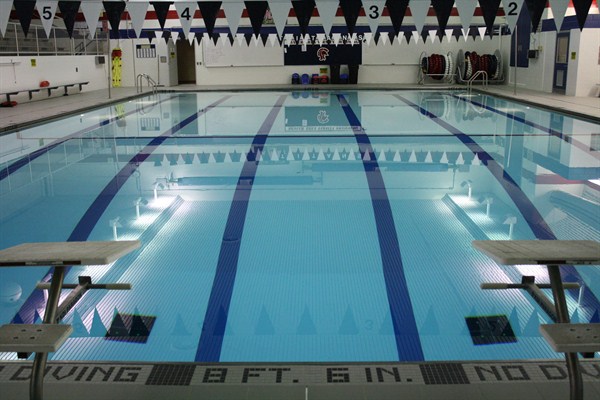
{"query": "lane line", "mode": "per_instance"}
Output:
(406, 333)
(217, 310)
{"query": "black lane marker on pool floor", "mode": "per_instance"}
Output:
(406, 333)
(534, 219)
(217, 310)
(25, 160)
(91, 217)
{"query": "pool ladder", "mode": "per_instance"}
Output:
(476, 75)
(139, 83)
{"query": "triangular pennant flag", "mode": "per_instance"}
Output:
(368, 37)
(432, 34)
(327, 10)
(24, 9)
(351, 9)
(595, 319)
(304, 11)
(186, 15)
(97, 329)
(391, 36)
(348, 325)
(336, 38)
(166, 35)
(397, 10)
(69, 10)
(489, 9)
(233, 13)
(248, 37)
(114, 10)
(215, 38)
(466, 8)
(273, 39)
(449, 33)
(415, 36)
(536, 8)
(442, 8)
(512, 9)
(407, 36)
(231, 39)
(559, 8)
(256, 12)
(376, 38)
(190, 38)
(137, 14)
(5, 8)
(419, 9)
(161, 8)
(458, 33)
(280, 12)
(181, 36)
(79, 329)
(482, 30)
(91, 11)
(150, 35)
(582, 8)
(209, 11)
(199, 36)
(264, 37)
(47, 10)
(373, 11)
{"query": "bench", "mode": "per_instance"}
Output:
(31, 91)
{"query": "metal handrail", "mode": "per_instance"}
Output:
(139, 84)
(476, 75)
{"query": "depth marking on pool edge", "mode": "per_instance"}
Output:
(408, 342)
(14, 167)
(534, 219)
(89, 220)
(217, 309)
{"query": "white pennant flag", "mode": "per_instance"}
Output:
(373, 10)
(383, 39)
(320, 38)
(512, 9)
(91, 11)
(280, 12)
(482, 30)
(191, 37)
(449, 34)
(336, 38)
(419, 9)
(416, 35)
(137, 13)
(186, 15)
(559, 8)
(465, 8)
(327, 10)
(47, 10)
(432, 35)
(233, 13)
(273, 40)
(368, 37)
(240, 39)
(5, 7)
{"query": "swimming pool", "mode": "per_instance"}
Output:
(302, 226)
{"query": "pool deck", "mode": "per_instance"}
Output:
(31, 113)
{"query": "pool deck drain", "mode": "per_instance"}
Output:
(542, 379)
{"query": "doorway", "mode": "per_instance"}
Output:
(561, 62)
(186, 62)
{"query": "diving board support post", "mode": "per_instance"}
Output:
(553, 254)
(59, 255)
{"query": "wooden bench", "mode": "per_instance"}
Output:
(31, 91)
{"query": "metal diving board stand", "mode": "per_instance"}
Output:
(50, 335)
(562, 336)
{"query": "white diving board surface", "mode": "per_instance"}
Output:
(547, 252)
(66, 253)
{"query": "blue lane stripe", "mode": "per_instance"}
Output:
(406, 333)
(534, 219)
(91, 217)
(569, 139)
(217, 310)
(20, 163)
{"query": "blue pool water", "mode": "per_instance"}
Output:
(304, 226)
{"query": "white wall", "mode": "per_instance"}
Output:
(164, 73)
(584, 72)
(18, 73)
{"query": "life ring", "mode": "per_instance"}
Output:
(44, 84)
(8, 104)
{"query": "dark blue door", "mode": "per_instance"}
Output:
(561, 61)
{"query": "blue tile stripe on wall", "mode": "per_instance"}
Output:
(215, 319)
(534, 219)
(406, 333)
(89, 220)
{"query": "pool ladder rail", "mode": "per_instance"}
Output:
(139, 86)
